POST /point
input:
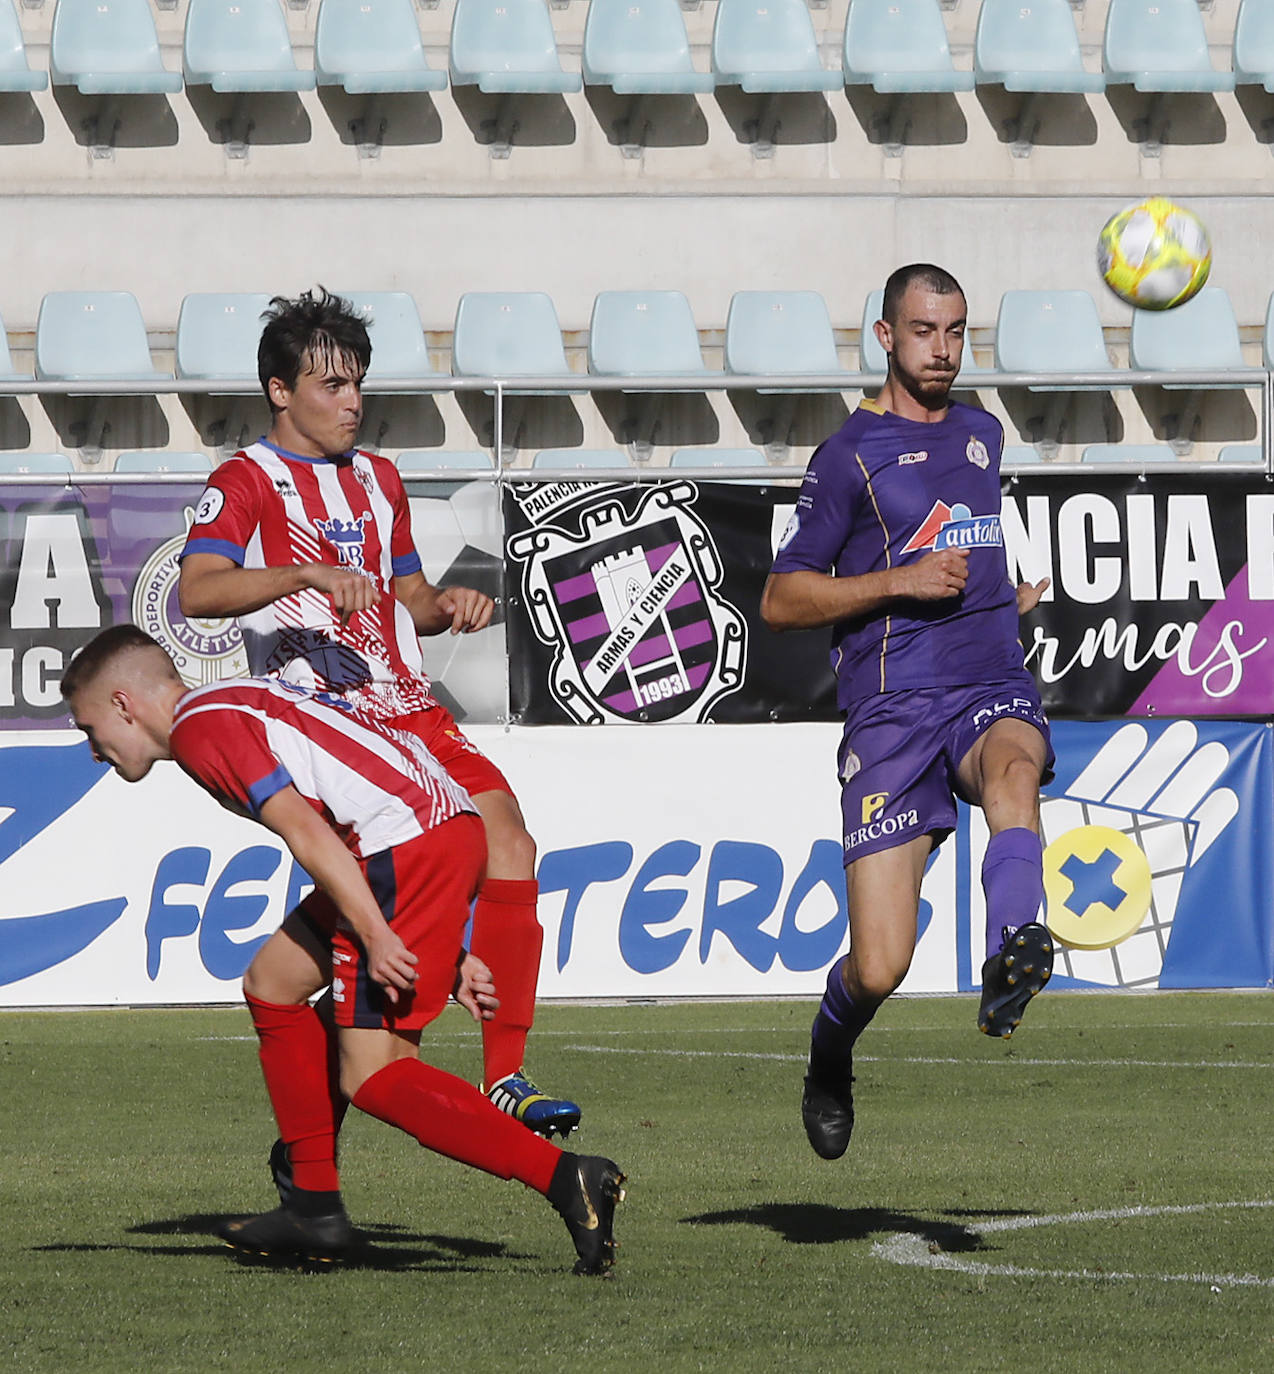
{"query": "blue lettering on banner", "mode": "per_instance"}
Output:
(227, 910)
(574, 871)
(802, 951)
(167, 920)
(643, 908)
(739, 919)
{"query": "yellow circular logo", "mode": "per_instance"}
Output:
(1096, 887)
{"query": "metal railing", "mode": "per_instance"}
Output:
(502, 389)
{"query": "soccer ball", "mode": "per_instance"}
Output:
(1154, 255)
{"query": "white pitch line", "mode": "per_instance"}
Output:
(907, 1249)
(1015, 1060)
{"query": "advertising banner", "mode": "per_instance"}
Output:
(706, 863)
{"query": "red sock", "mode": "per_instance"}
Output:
(507, 937)
(295, 1050)
(451, 1116)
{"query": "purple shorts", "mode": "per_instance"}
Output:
(898, 758)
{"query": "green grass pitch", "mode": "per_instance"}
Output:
(1095, 1194)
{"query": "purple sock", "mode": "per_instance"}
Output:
(1013, 880)
(838, 1022)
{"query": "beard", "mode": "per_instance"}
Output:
(930, 389)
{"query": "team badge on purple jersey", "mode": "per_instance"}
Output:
(630, 607)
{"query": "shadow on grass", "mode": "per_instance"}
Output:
(381, 1246)
(815, 1223)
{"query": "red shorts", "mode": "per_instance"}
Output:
(460, 757)
(423, 888)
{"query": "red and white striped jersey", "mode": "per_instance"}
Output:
(266, 508)
(245, 739)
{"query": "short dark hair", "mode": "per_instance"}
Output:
(315, 328)
(102, 650)
(936, 279)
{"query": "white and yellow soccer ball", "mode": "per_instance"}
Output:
(1154, 255)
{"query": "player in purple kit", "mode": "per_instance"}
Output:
(896, 544)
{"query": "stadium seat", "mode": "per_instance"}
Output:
(900, 46)
(15, 75)
(507, 334)
(240, 45)
(640, 47)
(93, 336)
(1254, 44)
(1240, 453)
(108, 47)
(643, 334)
(1015, 454)
(872, 357)
(399, 350)
(580, 458)
(1030, 47)
(443, 460)
(7, 374)
(507, 46)
(768, 45)
(217, 335)
(1202, 334)
(370, 47)
(159, 460)
(20, 464)
(780, 332)
(717, 458)
(1129, 453)
(1267, 343)
(1049, 331)
(1159, 45)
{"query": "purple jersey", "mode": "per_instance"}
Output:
(884, 491)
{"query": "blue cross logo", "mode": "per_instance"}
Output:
(1092, 883)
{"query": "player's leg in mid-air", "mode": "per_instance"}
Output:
(424, 889)
(884, 894)
(1001, 772)
(507, 935)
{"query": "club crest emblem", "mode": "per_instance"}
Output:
(975, 452)
(630, 607)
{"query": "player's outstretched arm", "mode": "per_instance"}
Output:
(212, 586)
(318, 849)
(806, 600)
(462, 610)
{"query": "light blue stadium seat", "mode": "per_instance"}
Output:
(1015, 455)
(1049, 331)
(768, 45)
(1240, 453)
(1254, 44)
(872, 356)
(507, 334)
(1201, 334)
(643, 334)
(15, 75)
(7, 374)
(372, 46)
(93, 336)
(580, 458)
(159, 460)
(779, 332)
(899, 45)
(108, 47)
(717, 458)
(443, 460)
(639, 47)
(1267, 344)
(1030, 45)
(240, 45)
(1159, 45)
(218, 333)
(399, 350)
(19, 464)
(1129, 453)
(507, 46)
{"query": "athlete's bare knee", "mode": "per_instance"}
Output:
(510, 848)
(872, 977)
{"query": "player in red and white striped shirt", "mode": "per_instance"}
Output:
(307, 541)
(397, 850)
